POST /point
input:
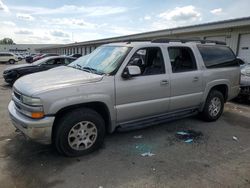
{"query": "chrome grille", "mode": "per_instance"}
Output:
(17, 95)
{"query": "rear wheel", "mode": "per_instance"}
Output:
(12, 61)
(79, 132)
(214, 106)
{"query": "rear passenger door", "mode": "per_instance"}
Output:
(186, 79)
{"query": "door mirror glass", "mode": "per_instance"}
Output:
(135, 61)
(131, 71)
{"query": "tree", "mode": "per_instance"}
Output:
(7, 41)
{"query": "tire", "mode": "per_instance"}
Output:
(79, 132)
(214, 106)
(12, 61)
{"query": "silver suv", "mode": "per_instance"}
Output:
(124, 86)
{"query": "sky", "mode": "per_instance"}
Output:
(65, 21)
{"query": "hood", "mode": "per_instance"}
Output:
(18, 66)
(53, 79)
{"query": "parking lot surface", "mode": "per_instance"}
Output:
(219, 158)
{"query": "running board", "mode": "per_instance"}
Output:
(146, 122)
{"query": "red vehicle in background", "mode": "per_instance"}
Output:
(40, 56)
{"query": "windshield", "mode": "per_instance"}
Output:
(103, 60)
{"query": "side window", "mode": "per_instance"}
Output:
(217, 56)
(149, 60)
(56, 61)
(59, 61)
(50, 62)
(182, 59)
(68, 61)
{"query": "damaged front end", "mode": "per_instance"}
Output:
(245, 85)
(245, 82)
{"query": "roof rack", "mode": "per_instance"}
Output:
(166, 40)
(135, 40)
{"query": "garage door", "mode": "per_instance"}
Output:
(217, 38)
(244, 47)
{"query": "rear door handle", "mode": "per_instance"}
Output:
(164, 82)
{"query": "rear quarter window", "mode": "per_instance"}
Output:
(217, 56)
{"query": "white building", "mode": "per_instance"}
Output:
(23, 48)
(235, 32)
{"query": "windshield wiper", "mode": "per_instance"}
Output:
(87, 69)
(92, 70)
(77, 66)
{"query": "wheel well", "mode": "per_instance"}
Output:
(223, 89)
(99, 107)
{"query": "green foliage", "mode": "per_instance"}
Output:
(7, 41)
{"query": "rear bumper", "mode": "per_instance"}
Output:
(39, 130)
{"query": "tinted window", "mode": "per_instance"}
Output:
(68, 61)
(149, 60)
(3, 54)
(217, 56)
(54, 61)
(182, 59)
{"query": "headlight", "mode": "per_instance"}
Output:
(31, 101)
(6, 71)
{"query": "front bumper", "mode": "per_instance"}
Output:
(245, 90)
(39, 130)
(245, 85)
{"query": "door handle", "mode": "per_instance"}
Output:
(164, 82)
(195, 79)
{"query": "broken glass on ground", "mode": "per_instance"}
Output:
(188, 136)
(137, 136)
(147, 154)
(235, 138)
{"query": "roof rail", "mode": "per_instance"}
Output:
(166, 40)
(135, 40)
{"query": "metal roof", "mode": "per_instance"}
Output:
(231, 23)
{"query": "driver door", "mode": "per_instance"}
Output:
(147, 94)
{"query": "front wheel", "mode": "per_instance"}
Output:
(79, 132)
(214, 106)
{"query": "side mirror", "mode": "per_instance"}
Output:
(241, 62)
(134, 61)
(131, 71)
